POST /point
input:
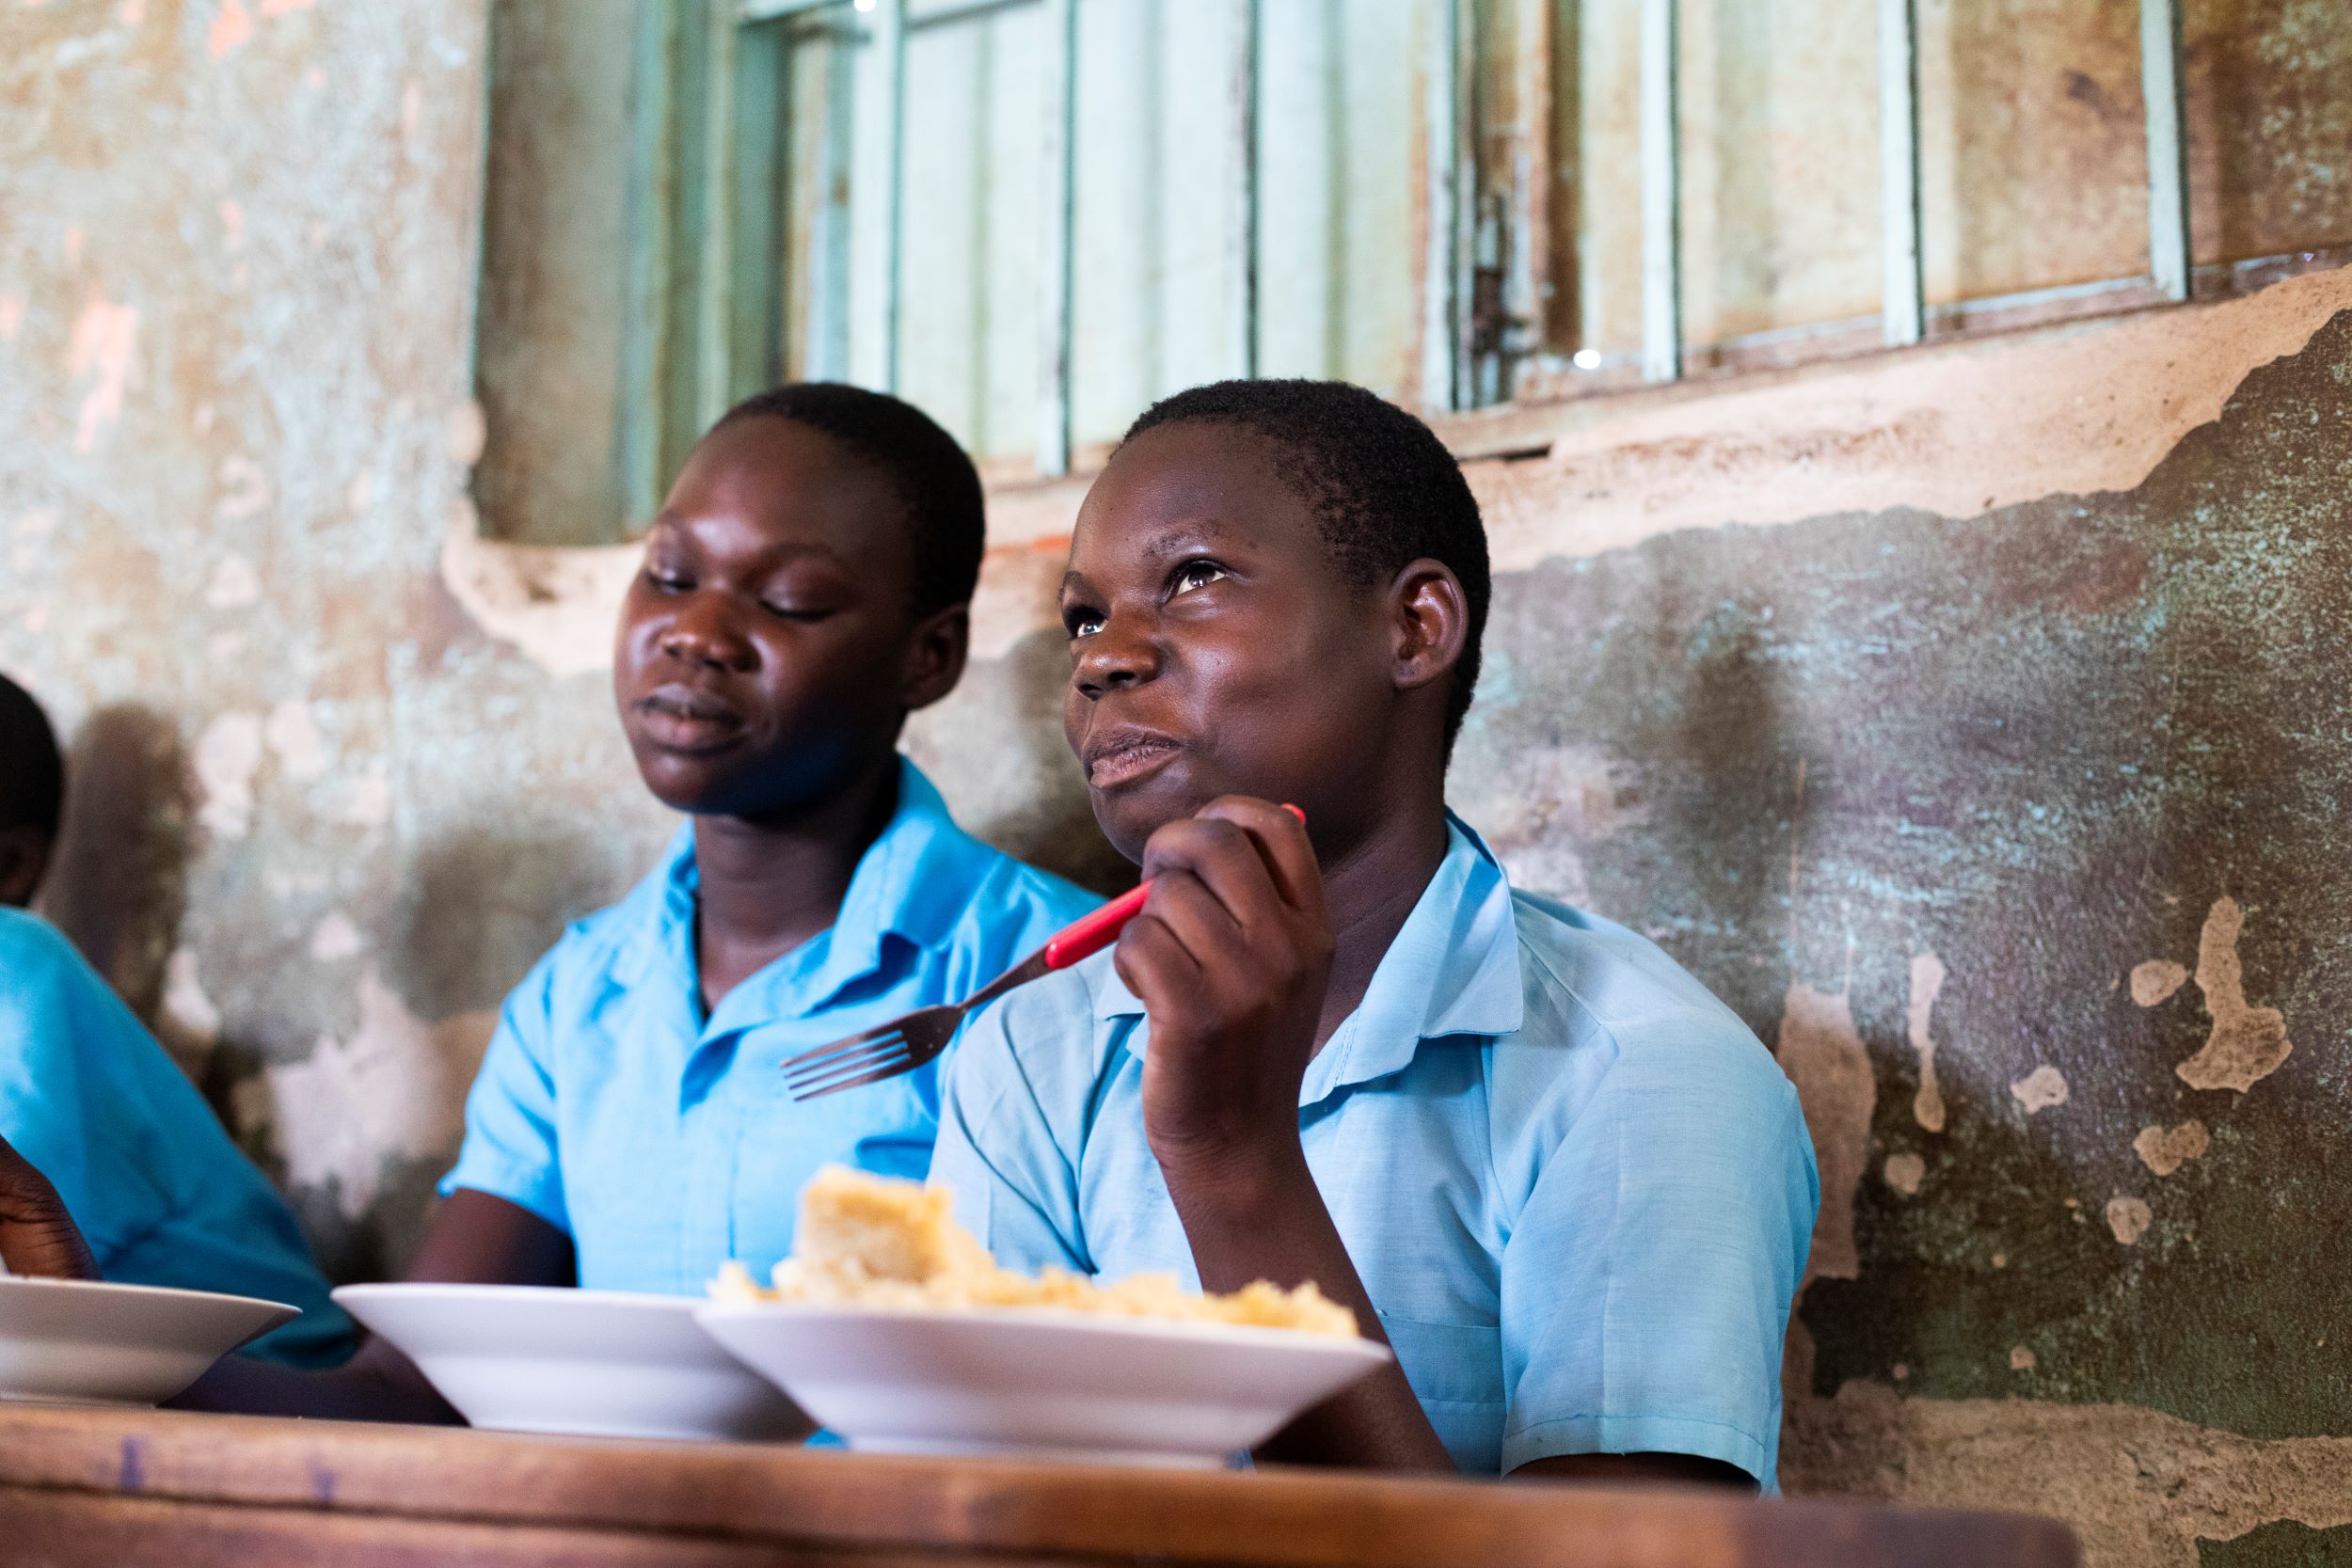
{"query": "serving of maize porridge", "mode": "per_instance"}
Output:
(869, 1241)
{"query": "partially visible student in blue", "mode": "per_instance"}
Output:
(804, 590)
(87, 1095)
(1563, 1182)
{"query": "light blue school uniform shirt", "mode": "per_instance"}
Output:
(160, 1193)
(663, 1141)
(1577, 1188)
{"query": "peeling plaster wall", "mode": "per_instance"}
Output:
(319, 823)
(1973, 719)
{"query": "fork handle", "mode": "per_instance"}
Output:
(1090, 934)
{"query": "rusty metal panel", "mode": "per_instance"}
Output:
(968, 268)
(1662, 193)
(1341, 236)
(1449, 200)
(878, 198)
(1904, 307)
(1162, 206)
(555, 223)
(749, 11)
(1056, 169)
(645, 343)
(2167, 153)
(714, 348)
(1241, 201)
(812, 237)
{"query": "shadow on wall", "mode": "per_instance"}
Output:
(478, 910)
(118, 884)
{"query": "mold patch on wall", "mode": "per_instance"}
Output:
(2042, 744)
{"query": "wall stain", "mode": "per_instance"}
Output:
(2247, 1044)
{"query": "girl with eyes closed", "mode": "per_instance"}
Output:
(805, 589)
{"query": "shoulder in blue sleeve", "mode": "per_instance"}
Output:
(163, 1195)
(510, 1148)
(1664, 1201)
(1008, 1145)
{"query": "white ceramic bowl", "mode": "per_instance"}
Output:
(75, 1341)
(593, 1363)
(1039, 1383)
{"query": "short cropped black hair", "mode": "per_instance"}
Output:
(945, 512)
(32, 769)
(1384, 488)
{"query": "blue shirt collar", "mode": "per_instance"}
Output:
(913, 883)
(1454, 970)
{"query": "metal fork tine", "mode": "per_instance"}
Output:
(893, 1071)
(850, 1060)
(825, 1083)
(820, 1054)
(812, 1080)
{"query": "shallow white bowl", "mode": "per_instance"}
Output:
(1039, 1383)
(593, 1363)
(77, 1341)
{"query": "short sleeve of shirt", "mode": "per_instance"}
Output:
(148, 1172)
(48, 1109)
(509, 1149)
(1013, 1187)
(1645, 1283)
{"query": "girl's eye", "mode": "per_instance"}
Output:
(1083, 623)
(794, 613)
(665, 580)
(1195, 574)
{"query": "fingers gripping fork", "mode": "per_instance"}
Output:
(917, 1039)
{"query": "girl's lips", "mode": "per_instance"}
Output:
(687, 722)
(1128, 762)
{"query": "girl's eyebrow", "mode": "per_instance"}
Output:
(1190, 534)
(1177, 540)
(771, 556)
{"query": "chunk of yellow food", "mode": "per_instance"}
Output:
(868, 1241)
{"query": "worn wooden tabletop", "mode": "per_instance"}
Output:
(118, 1488)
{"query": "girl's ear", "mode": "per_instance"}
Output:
(1431, 620)
(936, 650)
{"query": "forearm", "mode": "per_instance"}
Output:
(1266, 1220)
(377, 1385)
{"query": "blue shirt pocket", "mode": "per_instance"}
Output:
(1456, 1373)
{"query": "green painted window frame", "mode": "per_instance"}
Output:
(704, 298)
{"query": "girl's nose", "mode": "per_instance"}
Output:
(1123, 654)
(703, 632)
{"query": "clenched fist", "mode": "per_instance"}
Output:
(1230, 957)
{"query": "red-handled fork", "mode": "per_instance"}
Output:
(907, 1043)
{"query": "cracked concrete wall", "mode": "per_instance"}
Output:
(318, 822)
(2013, 828)
(1972, 719)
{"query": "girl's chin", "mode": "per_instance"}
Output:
(1131, 813)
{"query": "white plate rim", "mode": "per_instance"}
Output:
(173, 1292)
(450, 1291)
(1117, 1325)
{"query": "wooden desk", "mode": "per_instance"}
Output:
(119, 1489)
